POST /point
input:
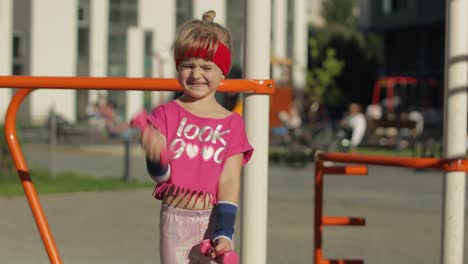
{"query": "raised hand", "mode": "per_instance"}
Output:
(153, 142)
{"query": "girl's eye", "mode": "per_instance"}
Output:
(207, 68)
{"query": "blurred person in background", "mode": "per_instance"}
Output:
(356, 123)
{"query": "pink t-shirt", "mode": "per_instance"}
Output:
(199, 147)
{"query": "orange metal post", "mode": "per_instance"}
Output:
(23, 172)
(320, 220)
(318, 227)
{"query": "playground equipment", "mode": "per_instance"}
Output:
(27, 84)
(410, 90)
(399, 98)
(447, 165)
(283, 97)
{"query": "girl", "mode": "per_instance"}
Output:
(195, 149)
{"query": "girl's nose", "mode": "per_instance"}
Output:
(196, 73)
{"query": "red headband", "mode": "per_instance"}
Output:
(222, 57)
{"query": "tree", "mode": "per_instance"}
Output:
(321, 78)
(361, 53)
(339, 12)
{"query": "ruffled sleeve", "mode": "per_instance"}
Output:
(239, 143)
(158, 119)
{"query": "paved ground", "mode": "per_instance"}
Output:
(402, 208)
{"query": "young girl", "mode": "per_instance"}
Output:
(195, 149)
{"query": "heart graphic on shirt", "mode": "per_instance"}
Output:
(207, 152)
(191, 150)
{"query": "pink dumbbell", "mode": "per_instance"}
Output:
(228, 257)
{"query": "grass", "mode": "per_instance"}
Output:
(44, 183)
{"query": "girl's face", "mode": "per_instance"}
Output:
(199, 77)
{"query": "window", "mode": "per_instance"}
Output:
(19, 53)
(83, 13)
(83, 42)
(184, 11)
(117, 55)
(148, 54)
(18, 45)
(123, 12)
(395, 6)
(235, 21)
(17, 69)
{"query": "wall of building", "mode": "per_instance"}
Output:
(53, 53)
(135, 69)
(300, 47)
(391, 14)
(158, 16)
(99, 27)
(6, 32)
(49, 44)
(412, 33)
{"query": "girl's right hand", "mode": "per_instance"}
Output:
(153, 142)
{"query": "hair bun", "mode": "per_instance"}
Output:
(209, 16)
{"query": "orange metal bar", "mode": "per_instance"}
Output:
(320, 220)
(318, 212)
(416, 163)
(348, 170)
(121, 83)
(23, 172)
(342, 261)
(343, 220)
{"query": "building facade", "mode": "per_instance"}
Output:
(413, 34)
(111, 38)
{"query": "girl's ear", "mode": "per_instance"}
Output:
(223, 77)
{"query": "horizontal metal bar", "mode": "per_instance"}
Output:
(458, 164)
(125, 83)
(342, 261)
(347, 170)
(343, 221)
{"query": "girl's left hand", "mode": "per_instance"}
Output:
(221, 245)
(153, 142)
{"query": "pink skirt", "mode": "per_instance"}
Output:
(181, 232)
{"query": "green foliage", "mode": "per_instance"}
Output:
(344, 60)
(339, 12)
(10, 185)
(321, 79)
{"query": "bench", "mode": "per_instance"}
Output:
(389, 133)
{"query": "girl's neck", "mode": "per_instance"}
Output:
(206, 107)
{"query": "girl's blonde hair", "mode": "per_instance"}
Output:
(199, 35)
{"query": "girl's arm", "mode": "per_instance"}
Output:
(228, 198)
(229, 181)
(154, 142)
